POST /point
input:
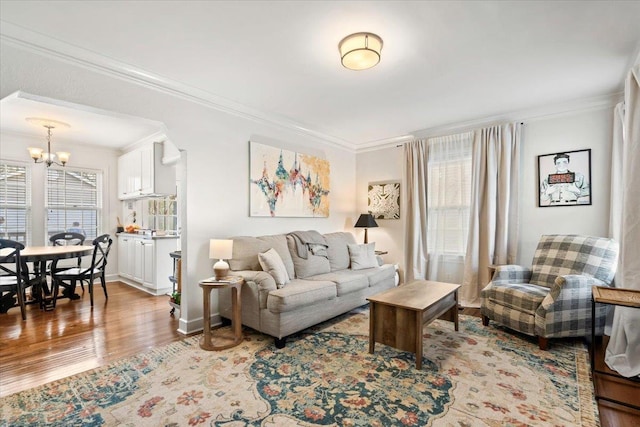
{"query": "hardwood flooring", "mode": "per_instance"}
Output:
(51, 345)
(73, 338)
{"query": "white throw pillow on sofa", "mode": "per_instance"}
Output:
(271, 262)
(363, 256)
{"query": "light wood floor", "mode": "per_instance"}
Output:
(73, 338)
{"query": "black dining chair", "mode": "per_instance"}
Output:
(69, 277)
(13, 274)
(67, 239)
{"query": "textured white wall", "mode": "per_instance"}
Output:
(217, 159)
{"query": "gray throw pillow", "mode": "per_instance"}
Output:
(271, 262)
(363, 256)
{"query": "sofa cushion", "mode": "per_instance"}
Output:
(279, 243)
(337, 251)
(271, 262)
(346, 281)
(245, 253)
(300, 293)
(362, 256)
(246, 250)
(311, 266)
(384, 274)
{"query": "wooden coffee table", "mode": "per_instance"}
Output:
(397, 315)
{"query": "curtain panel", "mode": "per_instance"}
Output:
(623, 351)
(415, 196)
(493, 219)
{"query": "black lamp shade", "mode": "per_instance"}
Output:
(366, 221)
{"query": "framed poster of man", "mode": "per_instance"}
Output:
(564, 178)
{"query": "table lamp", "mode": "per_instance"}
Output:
(366, 221)
(220, 249)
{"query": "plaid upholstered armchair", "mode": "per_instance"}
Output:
(553, 298)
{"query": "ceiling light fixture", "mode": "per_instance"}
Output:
(360, 51)
(37, 154)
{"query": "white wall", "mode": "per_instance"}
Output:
(216, 165)
(378, 166)
(567, 132)
(592, 129)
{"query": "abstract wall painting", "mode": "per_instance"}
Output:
(286, 183)
(384, 200)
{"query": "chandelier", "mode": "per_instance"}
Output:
(37, 154)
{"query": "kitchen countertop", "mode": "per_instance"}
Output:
(146, 236)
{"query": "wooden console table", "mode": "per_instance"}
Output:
(221, 341)
(608, 384)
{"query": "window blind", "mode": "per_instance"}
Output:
(449, 194)
(74, 201)
(15, 202)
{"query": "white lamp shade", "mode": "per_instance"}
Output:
(63, 156)
(360, 51)
(35, 153)
(220, 249)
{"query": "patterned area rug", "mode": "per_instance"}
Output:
(480, 376)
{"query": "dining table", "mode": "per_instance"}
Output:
(40, 256)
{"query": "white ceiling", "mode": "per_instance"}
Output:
(442, 62)
(87, 126)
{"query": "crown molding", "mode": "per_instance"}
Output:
(55, 48)
(384, 143)
(528, 115)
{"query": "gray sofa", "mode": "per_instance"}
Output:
(320, 286)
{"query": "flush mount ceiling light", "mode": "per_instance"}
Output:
(360, 51)
(37, 154)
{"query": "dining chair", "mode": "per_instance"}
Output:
(12, 273)
(67, 239)
(69, 277)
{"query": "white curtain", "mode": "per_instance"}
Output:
(493, 219)
(623, 351)
(415, 196)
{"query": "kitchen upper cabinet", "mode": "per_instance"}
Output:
(142, 174)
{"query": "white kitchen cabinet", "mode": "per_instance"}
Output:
(145, 262)
(125, 254)
(141, 173)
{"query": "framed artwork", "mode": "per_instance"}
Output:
(384, 200)
(286, 183)
(564, 178)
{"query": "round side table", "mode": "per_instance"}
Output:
(221, 341)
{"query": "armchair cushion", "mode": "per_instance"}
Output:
(559, 255)
(520, 296)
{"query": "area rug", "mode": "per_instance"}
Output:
(479, 376)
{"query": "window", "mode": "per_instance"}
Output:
(74, 202)
(15, 202)
(449, 193)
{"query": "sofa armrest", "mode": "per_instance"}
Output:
(572, 289)
(259, 284)
(511, 274)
